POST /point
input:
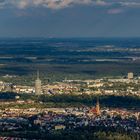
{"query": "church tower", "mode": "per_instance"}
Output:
(38, 85)
(98, 108)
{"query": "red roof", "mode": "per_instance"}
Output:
(93, 110)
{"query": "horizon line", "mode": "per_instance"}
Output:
(43, 37)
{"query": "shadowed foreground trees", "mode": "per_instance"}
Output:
(63, 100)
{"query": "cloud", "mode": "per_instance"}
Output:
(130, 4)
(53, 4)
(59, 4)
(101, 3)
(21, 3)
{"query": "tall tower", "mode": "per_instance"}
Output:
(38, 85)
(98, 108)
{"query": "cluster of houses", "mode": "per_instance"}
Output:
(53, 119)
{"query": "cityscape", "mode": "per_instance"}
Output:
(127, 85)
(69, 70)
(24, 118)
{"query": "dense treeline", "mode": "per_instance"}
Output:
(83, 134)
(110, 101)
(7, 96)
(71, 100)
(89, 100)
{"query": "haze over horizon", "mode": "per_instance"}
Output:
(69, 18)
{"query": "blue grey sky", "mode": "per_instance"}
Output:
(69, 18)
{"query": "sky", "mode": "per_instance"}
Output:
(69, 18)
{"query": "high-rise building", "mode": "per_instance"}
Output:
(130, 75)
(38, 90)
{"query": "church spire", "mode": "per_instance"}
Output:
(98, 107)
